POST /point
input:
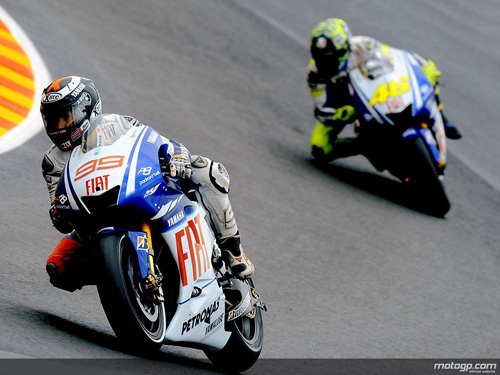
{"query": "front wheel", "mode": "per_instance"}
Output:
(246, 341)
(137, 321)
(424, 180)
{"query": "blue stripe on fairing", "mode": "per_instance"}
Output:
(417, 99)
(126, 177)
(203, 287)
(75, 197)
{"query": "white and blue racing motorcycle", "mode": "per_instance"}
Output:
(401, 124)
(161, 278)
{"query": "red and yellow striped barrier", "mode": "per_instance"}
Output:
(17, 82)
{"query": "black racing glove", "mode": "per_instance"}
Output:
(60, 223)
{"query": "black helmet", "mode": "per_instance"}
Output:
(330, 46)
(67, 106)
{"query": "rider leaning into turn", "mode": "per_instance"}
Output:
(68, 105)
(335, 52)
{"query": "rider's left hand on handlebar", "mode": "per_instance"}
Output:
(344, 113)
(180, 166)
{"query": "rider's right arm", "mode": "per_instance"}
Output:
(53, 163)
(319, 94)
(317, 86)
(335, 112)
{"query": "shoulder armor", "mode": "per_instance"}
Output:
(54, 160)
(47, 165)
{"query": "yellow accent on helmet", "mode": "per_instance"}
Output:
(335, 29)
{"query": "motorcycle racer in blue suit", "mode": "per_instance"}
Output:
(335, 52)
(69, 106)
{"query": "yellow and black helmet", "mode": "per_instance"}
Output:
(330, 46)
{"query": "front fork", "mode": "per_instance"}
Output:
(150, 274)
(150, 277)
(434, 143)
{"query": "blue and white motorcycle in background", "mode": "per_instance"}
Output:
(161, 278)
(401, 123)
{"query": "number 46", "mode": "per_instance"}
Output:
(390, 90)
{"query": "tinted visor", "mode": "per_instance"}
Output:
(327, 57)
(57, 120)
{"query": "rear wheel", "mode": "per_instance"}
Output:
(245, 344)
(136, 320)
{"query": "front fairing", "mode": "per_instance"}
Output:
(391, 91)
(124, 176)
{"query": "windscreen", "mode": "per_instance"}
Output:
(104, 131)
(377, 65)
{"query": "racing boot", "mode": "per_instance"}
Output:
(69, 280)
(325, 147)
(70, 266)
(61, 281)
(321, 148)
(450, 130)
(235, 257)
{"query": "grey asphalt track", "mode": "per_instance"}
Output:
(348, 267)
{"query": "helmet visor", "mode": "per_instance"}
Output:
(327, 56)
(59, 120)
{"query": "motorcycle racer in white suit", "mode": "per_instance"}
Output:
(68, 106)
